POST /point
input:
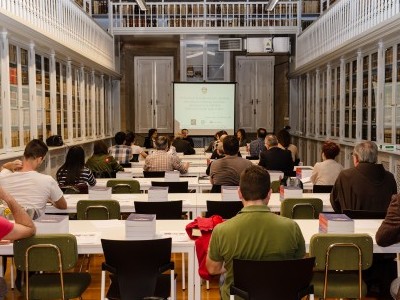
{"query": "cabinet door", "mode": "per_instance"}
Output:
(144, 94)
(163, 94)
(264, 94)
(245, 70)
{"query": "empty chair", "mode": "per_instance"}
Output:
(322, 188)
(301, 208)
(336, 255)
(173, 186)
(364, 214)
(282, 279)
(98, 210)
(167, 210)
(153, 174)
(49, 280)
(124, 186)
(141, 275)
(225, 209)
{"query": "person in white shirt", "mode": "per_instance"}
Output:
(30, 188)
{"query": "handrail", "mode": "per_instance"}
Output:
(344, 21)
(66, 23)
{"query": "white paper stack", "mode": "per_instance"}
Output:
(52, 224)
(140, 227)
(229, 193)
(290, 192)
(335, 223)
(303, 172)
(99, 193)
(124, 175)
(172, 176)
(275, 175)
(158, 194)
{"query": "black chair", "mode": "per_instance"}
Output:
(153, 174)
(128, 165)
(135, 158)
(225, 209)
(282, 279)
(322, 188)
(216, 188)
(141, 275)
(255, 157)
(79, 188)
(167, 210)
(364, 214)
(173, 186)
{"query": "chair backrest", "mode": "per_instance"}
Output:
(79, 188)
(364, 214)
(135, 158)
(167, 210)
(173, 186)
(301, 208)
(344, 255)
(322, 188)
(275, 186)
(98, 210)
(153, 174)
(66, 243)
(216, 188)
(137, 275)
(128, 165)
(225, 209)
(124, 186)
(283, 279)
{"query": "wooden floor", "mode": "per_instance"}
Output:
(93, 292)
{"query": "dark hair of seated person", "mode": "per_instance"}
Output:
(254, 183)
(230, 145)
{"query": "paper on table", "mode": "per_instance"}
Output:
(87, 237)
(177, 236)
(106, 223)
(305, 179)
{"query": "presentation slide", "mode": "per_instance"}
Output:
(204, 108)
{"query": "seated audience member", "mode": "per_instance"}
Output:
(73, 171)
(150, 139)
(30, 188)
(186, 137)
(255, 233)
(284, 138)
(161, 160)
(219, 151)
(183, 146)
(367, 186)
(101, 163)
(130, 141)
(227, 170)
(258, 145)
(327, 171)
(275, 158)
(122, 153)
(241, 136)
(213, 144)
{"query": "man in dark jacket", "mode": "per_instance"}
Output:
(182, 145)
(367, 186)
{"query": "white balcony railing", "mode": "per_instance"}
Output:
(344, 21)
(205, 17)
(66, 23)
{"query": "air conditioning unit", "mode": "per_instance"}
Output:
(259, 45)
(230, 44)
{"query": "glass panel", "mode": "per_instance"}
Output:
(1, 108)
(337, 94)
(353, 99)
(215, 63)
(25, 104)
(194, 62)
(14, 96)
(73, 77)
(303, 113)
(398, 96)
(64, 120)
(78, 104)
(39, 95)
(107, 115)
(387, 97)
(347, 102)
(97, 104)
(374, 91)
(311, 116)
(88, 80)
(58, 97)
(365, 115)
(47, 111)
(322, 111)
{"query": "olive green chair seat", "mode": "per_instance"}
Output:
(52, 254)
(301, 208)
(98, 210)
(124, 186)
(339, 261)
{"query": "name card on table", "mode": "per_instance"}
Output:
(140, 226)
(52, 224)
(172, 176)
(99, 193)
(290, 192)
(335, 223)
(124, 175)
(229, 193)
(158, 194)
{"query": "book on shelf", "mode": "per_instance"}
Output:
(52, 224)
(335, 223)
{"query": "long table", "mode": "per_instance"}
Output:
(195, 203)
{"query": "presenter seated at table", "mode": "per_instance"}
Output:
(255, 233)
(150, 139)
(186, 137)
(161, 160)
(327, 171)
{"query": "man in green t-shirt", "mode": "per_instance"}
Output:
(255, 233)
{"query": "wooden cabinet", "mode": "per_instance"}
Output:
(153, 94)
(255, 95)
